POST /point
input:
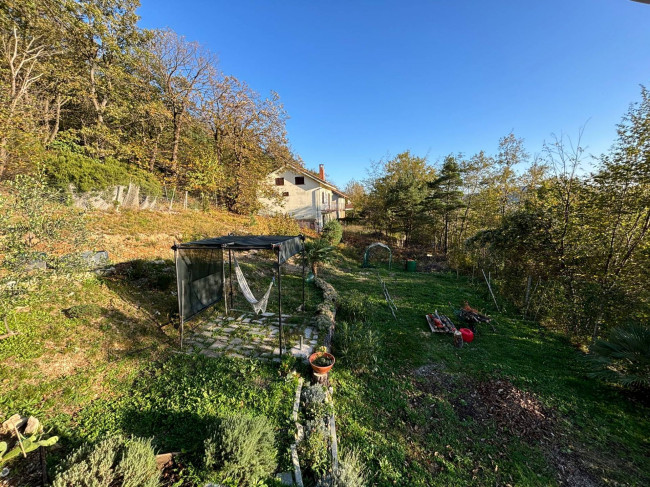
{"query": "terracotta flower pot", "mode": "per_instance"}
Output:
(318, 369)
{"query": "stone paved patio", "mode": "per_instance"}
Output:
(254, 336)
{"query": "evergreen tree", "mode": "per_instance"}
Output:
(445, 196)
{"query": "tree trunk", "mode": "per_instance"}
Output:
(154, 153)
(57, 120)
(3, 155)
(177, 138)
(446, 234)
(94, 97)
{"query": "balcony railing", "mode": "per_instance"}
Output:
(330, 207)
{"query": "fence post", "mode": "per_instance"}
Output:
(171, 202)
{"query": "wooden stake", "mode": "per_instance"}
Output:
(20, 442)
(46, 480)
(9, 332)
(490, 288)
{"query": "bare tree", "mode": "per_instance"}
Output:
(21, 57)
(564, 157)
(181, 71)
(511, 153)
(250, 131)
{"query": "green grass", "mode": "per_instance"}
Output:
(178, 403)
(413, 435)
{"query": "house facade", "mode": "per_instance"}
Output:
(307, 197)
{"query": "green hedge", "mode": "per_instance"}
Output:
(88, 174)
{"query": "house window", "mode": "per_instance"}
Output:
(286, 193)
(323, 197)
(300, 180)
(279, 181)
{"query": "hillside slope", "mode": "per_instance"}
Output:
(147, 234)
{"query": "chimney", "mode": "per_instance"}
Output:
(321, 171)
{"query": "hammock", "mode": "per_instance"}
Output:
(258, 306)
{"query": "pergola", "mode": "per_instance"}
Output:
(201, 270)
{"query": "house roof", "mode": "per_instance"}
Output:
(314, 176)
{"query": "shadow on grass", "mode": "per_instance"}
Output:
(148, 289)
(178, 402)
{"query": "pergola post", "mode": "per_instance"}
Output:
(181, 296)
(304, 257)
(223, 283)
(182, 320)
(230, 275)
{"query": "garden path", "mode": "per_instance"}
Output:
(247, 335)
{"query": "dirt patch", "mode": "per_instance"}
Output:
(434, 380)
(55, 364)
(128, 247)
(570, 469)
(429, 265)
(23, 471)
(513, 410)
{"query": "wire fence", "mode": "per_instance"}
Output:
(132, 197)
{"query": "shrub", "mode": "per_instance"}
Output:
(357, 344)
(36, 223)
(313, 451)
(318, 252)
(332, 232)
(352, 306)
(36, 226)
(288, 364)
(624, 358)
(351, 472)
(88, 174)
(114, 462)
(280, 225)
(313, 400)
(242, 449)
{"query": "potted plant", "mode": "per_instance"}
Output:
(321, 361)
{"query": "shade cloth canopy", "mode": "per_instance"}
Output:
(286, 246)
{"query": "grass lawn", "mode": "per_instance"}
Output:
(513, 407)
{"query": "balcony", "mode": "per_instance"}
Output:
(333, 208)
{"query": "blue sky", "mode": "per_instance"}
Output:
(362, 80)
